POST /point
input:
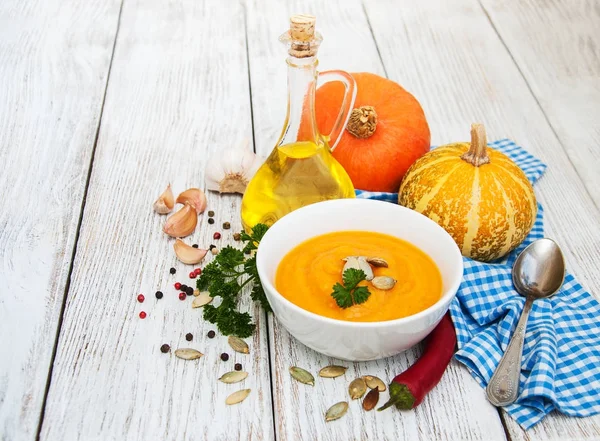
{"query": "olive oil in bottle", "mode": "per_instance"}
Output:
(301, 169)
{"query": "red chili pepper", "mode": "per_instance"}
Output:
(408, 389)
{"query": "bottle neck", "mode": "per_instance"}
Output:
(300, 122)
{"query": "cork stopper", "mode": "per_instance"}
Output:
(301, 38)
(302, 27)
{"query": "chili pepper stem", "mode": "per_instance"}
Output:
(400, 396)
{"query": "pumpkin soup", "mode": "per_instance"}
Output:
(307, 273)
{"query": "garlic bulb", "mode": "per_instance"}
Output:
(229, 171)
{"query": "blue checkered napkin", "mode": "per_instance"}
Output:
(561, 356)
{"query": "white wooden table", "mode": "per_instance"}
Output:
(102, 102)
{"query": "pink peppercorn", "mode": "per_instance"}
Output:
(193, 275)
(142, 315)
(141, 298)
(182, 296)
(198, 271)
(217, 235)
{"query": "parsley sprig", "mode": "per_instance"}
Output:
(350, 293)
(225, 277)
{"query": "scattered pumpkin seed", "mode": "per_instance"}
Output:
(374, 382)
(332, 371)
(357, 388)
(188, 353)
(336, 411)
(371, 399)
(377, 262)
(202, 299)
(383, 282)
(237, 397)
(238, 345)
(365, 267)
(233, 377)
(302, 375)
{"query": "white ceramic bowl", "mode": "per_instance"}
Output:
(358, 341)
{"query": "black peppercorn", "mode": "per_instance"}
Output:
(237, 236)
(165, 348)
(211, 220)
(184, 287)
(172, 271)
(195, 245)
(226, 225)
(189, 291)
(189, 336)
(211, 213)
(211, 247)
(159, 294)
(224, 356)
(211, 334)
(238, 366)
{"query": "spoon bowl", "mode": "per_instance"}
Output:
(538, 272)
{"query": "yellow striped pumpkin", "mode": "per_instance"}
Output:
(477, 194)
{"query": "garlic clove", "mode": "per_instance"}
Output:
(230, 171)
(194, 197)
(182, 223)
(165, 203)
(188, 254)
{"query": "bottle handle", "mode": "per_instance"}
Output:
(347, 103)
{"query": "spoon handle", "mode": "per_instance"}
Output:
(503, 388)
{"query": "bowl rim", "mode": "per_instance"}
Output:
(446, 296)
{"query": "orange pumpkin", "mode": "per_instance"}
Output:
(387, 131)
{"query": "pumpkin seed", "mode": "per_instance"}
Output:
(364, 265)
(374, 383)
(371, 399)
(233, 377)
(202, 299)
(351, 262)
(237, 397)
(383, 282)
(336, 411)
(238, 345)
(188, 353)
(332, 371)
(302, 375)
(357, 388)
(377, 262)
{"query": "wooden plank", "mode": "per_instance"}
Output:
(178, 90)
(299, 409)
(561, 65)
(54, 60)
(450, 56)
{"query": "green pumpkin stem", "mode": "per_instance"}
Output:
(477, 153)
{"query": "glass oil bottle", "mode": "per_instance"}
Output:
(301, 169)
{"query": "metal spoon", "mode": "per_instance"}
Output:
(538, 272)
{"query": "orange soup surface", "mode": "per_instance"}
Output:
(306, 276)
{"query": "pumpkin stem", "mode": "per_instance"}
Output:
(362, 122)
(477, 153)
